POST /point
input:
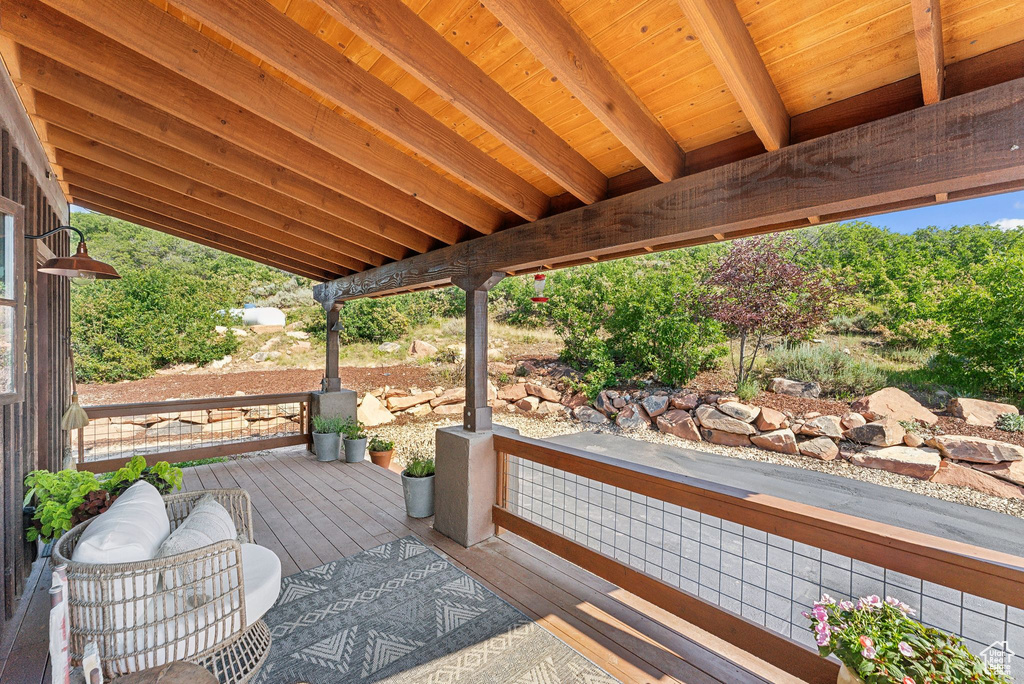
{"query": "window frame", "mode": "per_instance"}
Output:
(17, 302)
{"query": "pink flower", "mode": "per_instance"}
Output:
(825, 600)
(906, 650)
(822, 639)
(820, 614)
(806, 614)
(907, 610)
(892, 601)
(866, 641)
(846, 605)
(869, 653)
(822, 628)
(908, 680)
(869, 602)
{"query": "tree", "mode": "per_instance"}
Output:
(758, 290)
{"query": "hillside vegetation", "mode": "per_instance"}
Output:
(936, 309)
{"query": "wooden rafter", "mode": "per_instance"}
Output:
(960, 144)
(928, 38)
(103, 163)
(548, 31)
(114, 183)
(94, 201)
(399, 33)
(121, 153)
(62, 38)
(102, 112)
(274, 37)
(725, 38)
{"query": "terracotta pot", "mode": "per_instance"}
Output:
(846, 676)
(382, 458)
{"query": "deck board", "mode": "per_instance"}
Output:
(310, 513)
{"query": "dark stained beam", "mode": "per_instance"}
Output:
(960, 144)
(548, 31)
(94, 201)
(92, 108)
(275, 38)
(399, 33)
(928, 38)
(725, 38)
(302, 149)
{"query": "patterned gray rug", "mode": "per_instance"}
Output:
(401, 613)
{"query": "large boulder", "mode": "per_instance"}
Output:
(631, 417)
(586, 414)
(795, 388)
(605, 402)
(528, 403)
(450, 396)
(714, 419)
(769, 419)
(686, 402)
(450, 409)
(978, 411)
(372, 413)
(405, 403)
(679, 423)
(962, 476)
(739, 411)
(894, 403)
(902, 460)
(725, 438)
(783, 441)
(421, 350)
(655, 404)
(852, 419)
(823, 426)
(820, 447)
(544, 393)
(551, 408)
(881, 433)
(512, 393)
(1011, 471)
(975, 449)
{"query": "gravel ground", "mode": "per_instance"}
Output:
(415, 437)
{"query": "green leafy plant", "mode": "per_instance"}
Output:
(839, 374)
(747, 389)
(1010, 422)
(420, 466)
(323, 425)
(56, 496)
(162, 475)
(352, 429)
(879, 641)
(381, 444)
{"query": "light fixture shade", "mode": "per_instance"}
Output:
(81, 265)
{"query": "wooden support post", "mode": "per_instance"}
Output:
(477, 415)
(332, 376)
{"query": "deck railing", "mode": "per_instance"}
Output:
(741, 565)
(191, 429)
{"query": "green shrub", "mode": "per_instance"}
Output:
(420, 466)
(839, 374)
(747, 389)
(380, 444)
(1010, 422)
(352, 429)
(323, 425)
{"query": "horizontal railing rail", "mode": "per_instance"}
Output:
(191, 429)
(628, 523)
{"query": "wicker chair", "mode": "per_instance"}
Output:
(185, 607)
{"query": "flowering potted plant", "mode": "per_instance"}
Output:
(879, 643)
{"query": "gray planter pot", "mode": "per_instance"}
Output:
(419, 495)
(327, 446)
(355, 450)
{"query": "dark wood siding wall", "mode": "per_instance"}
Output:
(30, 434)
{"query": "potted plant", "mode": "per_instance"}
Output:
(326, 440)
(355, 441)
(418, 486)
(878, 642)
(381, 451)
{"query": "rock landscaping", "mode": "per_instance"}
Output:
(888, 430)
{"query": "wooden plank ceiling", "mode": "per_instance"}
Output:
(327, 137)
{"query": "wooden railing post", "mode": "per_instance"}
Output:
(332, 375)
(477, 415)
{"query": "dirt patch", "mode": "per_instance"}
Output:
(187, 386)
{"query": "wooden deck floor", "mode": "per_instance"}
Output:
(310, 513)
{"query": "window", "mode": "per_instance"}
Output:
(12, 335)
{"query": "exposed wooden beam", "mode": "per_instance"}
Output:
(184, 194)
(400, 34)
(88, 106)
(725, 38)
(60, 37)
(548, 31)
(960, 144)
(152, 198)
(94, 201)
(85, 149)
(928, 38)
(271, 35)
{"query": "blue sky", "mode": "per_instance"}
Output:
(1006, 211)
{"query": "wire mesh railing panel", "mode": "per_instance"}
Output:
(203, 425)
(767, 579)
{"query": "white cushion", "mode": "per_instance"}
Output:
(261, 572)
(131, 530)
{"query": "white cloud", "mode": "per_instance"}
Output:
(1018, 205)
(1009, 223)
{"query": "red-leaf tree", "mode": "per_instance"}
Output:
(757, 290)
